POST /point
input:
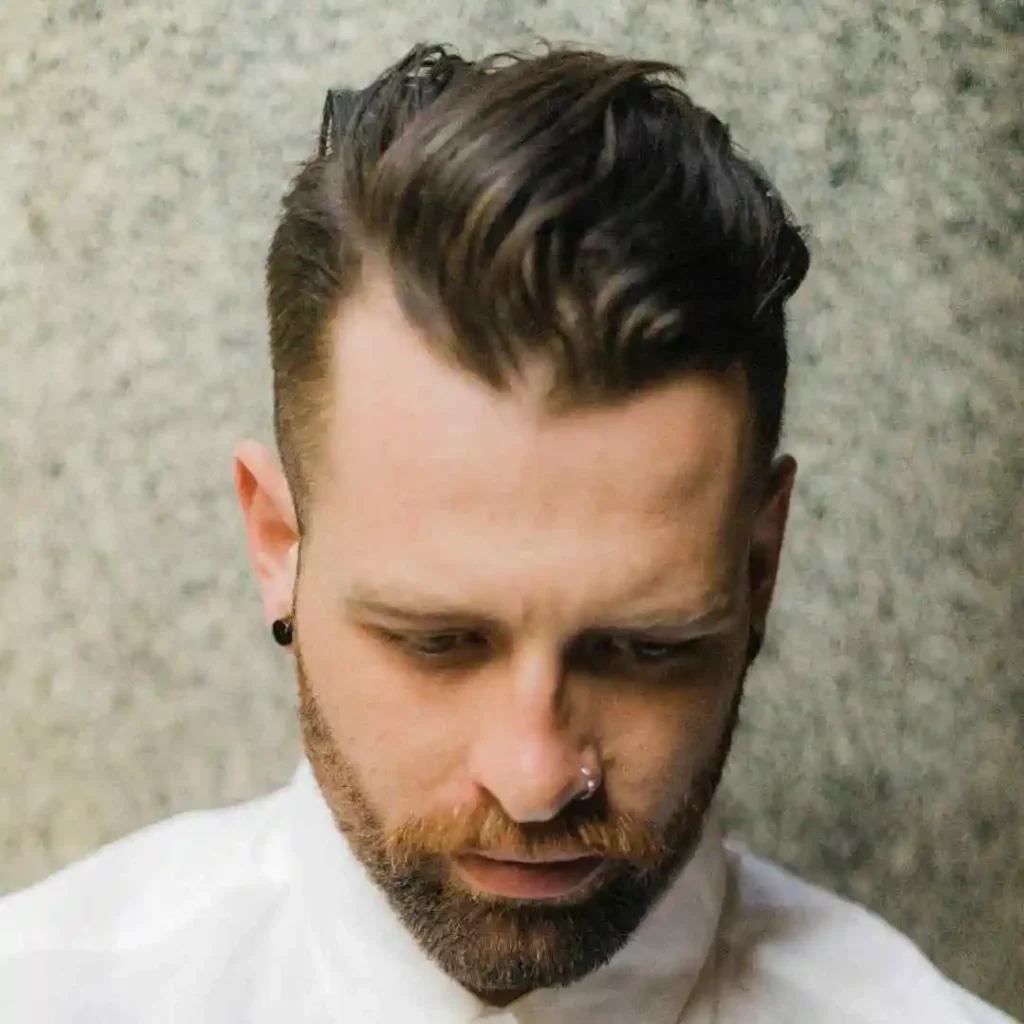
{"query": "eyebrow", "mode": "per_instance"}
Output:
(717, 618)
(716, 614)
(412, 610)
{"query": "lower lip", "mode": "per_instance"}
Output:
(537, 881)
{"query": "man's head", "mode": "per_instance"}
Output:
(529, 367)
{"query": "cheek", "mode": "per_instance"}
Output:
(386, 726)
(657, 743)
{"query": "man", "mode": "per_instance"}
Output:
(528, 340)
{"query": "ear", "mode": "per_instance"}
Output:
(766, 543)
(271, 530)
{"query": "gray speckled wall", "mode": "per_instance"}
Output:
(143, 151)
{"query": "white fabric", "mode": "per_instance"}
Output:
(260, 914)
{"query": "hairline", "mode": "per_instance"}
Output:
(556, 401)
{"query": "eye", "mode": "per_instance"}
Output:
(433, 645)
(609, 652)
(657, 652)
(437, 646)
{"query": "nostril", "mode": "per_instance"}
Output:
(542, 804)
(533, 772)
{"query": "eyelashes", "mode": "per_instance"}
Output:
(598, 652)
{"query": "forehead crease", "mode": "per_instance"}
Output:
(555, 600)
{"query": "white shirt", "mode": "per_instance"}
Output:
(261, 914)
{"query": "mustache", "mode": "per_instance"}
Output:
(488, 829)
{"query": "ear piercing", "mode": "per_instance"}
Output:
(283, 630)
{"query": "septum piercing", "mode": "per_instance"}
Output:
(591, 783)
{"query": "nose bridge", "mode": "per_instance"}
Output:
(528, 754)
(537, 684)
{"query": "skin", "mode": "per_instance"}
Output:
(513, 541)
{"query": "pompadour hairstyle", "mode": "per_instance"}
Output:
(571, 207)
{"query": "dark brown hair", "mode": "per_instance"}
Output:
(569, 206)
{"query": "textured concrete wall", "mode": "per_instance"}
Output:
(143, 150)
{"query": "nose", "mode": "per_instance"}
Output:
(526, 755)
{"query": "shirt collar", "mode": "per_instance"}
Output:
(369, 961)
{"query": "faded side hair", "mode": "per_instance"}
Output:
(570, 206)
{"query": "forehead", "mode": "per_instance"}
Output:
(429, 469)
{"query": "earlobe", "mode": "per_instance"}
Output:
(271, 531)
(766, 542)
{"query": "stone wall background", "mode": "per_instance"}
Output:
(144, 148)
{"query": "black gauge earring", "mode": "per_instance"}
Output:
(283, 631)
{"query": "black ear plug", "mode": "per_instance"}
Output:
(283, 631)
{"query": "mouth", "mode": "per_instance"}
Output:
(550, 878)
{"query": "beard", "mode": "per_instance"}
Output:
(502, 948)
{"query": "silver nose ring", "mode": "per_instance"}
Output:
(591, 783)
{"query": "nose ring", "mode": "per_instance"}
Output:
(591, 782)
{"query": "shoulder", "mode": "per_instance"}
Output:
(815, 951)
(149, 883)
(155, 920)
